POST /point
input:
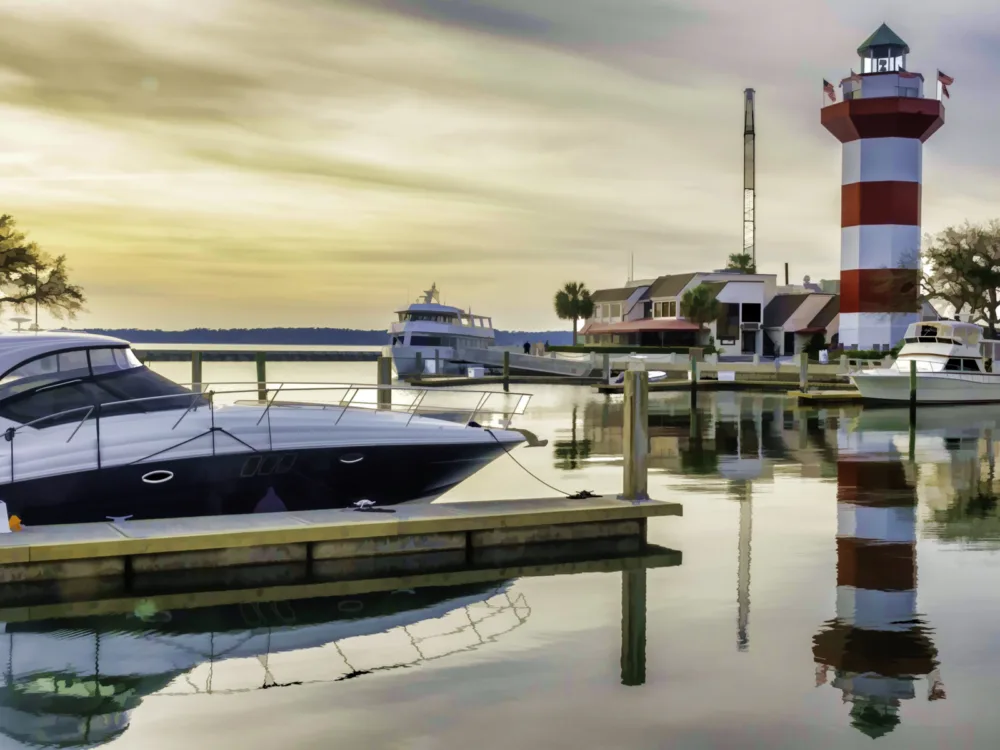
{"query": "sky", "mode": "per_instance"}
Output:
(250, 163)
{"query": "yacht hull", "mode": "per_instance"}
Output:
(951, 388)
(250, 482)
(404, 361)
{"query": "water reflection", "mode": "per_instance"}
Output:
(75, 682)
(731, 436)
(877, 646)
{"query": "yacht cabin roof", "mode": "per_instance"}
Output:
(968, 334)
(432, 307)
(16, 348)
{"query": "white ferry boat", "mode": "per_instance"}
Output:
(950, 367)
(435, 331)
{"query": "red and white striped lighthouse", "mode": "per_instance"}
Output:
(882, 123)
(877, 645)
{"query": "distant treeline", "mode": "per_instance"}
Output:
(299, 336)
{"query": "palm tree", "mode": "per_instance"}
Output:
(573, 302)
(700, 306)
(742, 262)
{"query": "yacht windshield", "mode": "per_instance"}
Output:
(74, 381)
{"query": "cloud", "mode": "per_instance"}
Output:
(495, 146)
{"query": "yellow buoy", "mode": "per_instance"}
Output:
(15, 524)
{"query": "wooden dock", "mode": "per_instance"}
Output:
(345, 544)
(455, 381)
(89, 601)
(683, 386)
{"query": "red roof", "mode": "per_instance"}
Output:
(635, 326)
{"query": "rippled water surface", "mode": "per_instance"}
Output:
(840, 585)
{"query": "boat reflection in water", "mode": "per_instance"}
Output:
(877, 646)
(73, 683)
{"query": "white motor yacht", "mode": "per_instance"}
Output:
(434, 331)
(950, 367)
(90, 433)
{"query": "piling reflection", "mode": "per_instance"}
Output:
(731, 436)
(877, 646)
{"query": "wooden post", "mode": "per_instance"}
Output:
(633, 660)
(694, 383)
(913, 391)
(804, 371)
(636, 432)
(196, 382)
(506, 370)
(437, 361)
(384, 381)
(261, 359)
(606, 367)
(418, 369)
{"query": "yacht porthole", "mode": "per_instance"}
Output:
(158, 477)
(351, 458)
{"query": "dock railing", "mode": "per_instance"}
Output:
(491, 409)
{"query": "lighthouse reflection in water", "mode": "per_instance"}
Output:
(877, 650)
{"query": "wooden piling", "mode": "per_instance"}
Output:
(437, 361)
(384, 382)
(506, 370)
(606, 368)
(261, 360)
(803, 371)
(196, 381)
(693, 374)
(636, 432)
(633, 659)
(913, 391)
(418, 369)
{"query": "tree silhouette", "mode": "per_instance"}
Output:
(30, 278)
(742, 262)
(573, 302)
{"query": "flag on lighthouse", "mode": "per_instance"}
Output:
(829, 90)
(945, 82)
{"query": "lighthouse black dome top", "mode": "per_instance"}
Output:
(883, 52)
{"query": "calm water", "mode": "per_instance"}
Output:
(803, 615)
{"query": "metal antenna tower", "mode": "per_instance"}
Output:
(749, 170)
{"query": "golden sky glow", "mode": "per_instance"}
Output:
(241, 163)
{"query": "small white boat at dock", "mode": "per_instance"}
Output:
(950, 367)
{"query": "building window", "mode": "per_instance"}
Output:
(665, 309)
(750, 312)
(616, 310)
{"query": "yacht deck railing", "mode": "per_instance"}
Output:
(486, 408)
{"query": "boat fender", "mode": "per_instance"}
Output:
(533, 440)
(5, 525)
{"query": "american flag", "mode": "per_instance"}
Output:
(945, 82)
(830, 92)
